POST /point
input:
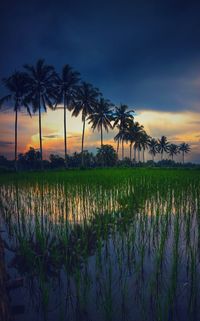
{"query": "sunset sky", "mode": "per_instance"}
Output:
(142, 53)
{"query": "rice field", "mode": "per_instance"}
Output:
(105, 244)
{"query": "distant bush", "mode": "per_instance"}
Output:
(106, 157)
(56, 161)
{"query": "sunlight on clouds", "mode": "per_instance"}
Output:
(178, 127)
(181, 126)
(53, 122)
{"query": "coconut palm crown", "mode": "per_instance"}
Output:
(163, 146)
(134, 130)
(122, 117)
(101, 116)
(41, 80)
(16, 84)
(153, 147)
(184, 149)
(173, 150)
(84, 103)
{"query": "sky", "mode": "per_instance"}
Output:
(142, 53)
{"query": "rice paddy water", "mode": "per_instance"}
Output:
(117, 244)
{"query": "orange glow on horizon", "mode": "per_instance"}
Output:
(178, 127)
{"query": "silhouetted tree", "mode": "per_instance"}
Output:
(173, 150)
(121, 136)
(66, 86)
(184, 149)
(144, 140)
(41, 79)
(32, 155)
(138, 146)
(163, 146)
(134, 133)
(57, 161)
(153, 147)
(106, 155)
(29, 160)
(16, 84)
(122, 117)
(101, 116)
(84, 103)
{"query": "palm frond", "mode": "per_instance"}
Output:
(5, 99)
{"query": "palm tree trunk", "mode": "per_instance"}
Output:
(16, 116)
(143, 155)
(130, 152)
(183, 157)
(101, 136)
(134, 154)
(40, 133)
(122, 149)
(102, 163)
(83, 134)
(153, 157)
(138, 155)
(118, 147)
(65, 130)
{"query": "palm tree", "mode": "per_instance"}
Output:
(130, 137)
(121, 136)
(17, 86)
(101, 117)
(163, 146)
(138, 144)
(153, 147)
(66, 85)
(122, 117)
(173, 150)
(184, 148)
(85, 102)
(41, 79)
(134, 130)
(144, 142)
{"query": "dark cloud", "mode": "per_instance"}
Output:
(145, 53)
(5, 144)
(51, 136)
(74, 137)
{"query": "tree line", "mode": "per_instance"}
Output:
(39, 87)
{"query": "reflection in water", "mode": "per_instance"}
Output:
(127, 251)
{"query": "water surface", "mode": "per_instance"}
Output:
(103, 245)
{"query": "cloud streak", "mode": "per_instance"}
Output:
(4, 143)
